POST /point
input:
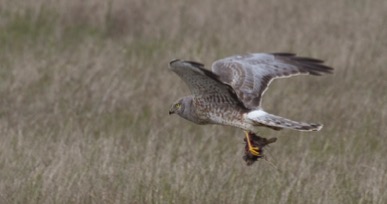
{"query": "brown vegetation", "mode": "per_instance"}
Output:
(85, 91)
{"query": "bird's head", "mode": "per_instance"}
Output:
(182, 107)
(177, 107)
(185, 109)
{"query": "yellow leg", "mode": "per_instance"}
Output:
(252, 150)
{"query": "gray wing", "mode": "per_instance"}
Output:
(249, 75)
(202, 81)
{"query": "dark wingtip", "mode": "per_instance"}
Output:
(311, 65)
(196, 64)
(283, 54)
(174, 60)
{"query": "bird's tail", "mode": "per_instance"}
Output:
(260, 117)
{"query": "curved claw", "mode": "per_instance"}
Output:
(253, 150)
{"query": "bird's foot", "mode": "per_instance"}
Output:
(253, 150)
(254, 147)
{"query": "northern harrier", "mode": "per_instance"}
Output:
(232, 93)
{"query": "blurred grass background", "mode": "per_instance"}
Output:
(85, 90)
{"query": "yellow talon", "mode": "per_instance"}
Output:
(253, 150)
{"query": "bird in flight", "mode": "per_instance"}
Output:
(231, 94)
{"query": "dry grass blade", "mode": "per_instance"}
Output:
(85, 91)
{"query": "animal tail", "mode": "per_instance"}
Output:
(260, 117)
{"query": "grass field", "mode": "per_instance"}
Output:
(85, 92)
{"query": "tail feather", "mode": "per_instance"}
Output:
(261, 117)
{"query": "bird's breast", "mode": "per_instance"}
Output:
(216, 111)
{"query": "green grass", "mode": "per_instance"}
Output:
(85, 90)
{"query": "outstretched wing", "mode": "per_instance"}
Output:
(249, 75)
(202, 81)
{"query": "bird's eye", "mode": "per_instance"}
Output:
(178, 105)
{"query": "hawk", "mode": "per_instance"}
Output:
(231, 94)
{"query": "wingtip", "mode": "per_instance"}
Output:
(193, 63)
(311, 65)
(173, 61)
(283, 54)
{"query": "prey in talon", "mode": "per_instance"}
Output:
(254, 147)
(231, 93)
